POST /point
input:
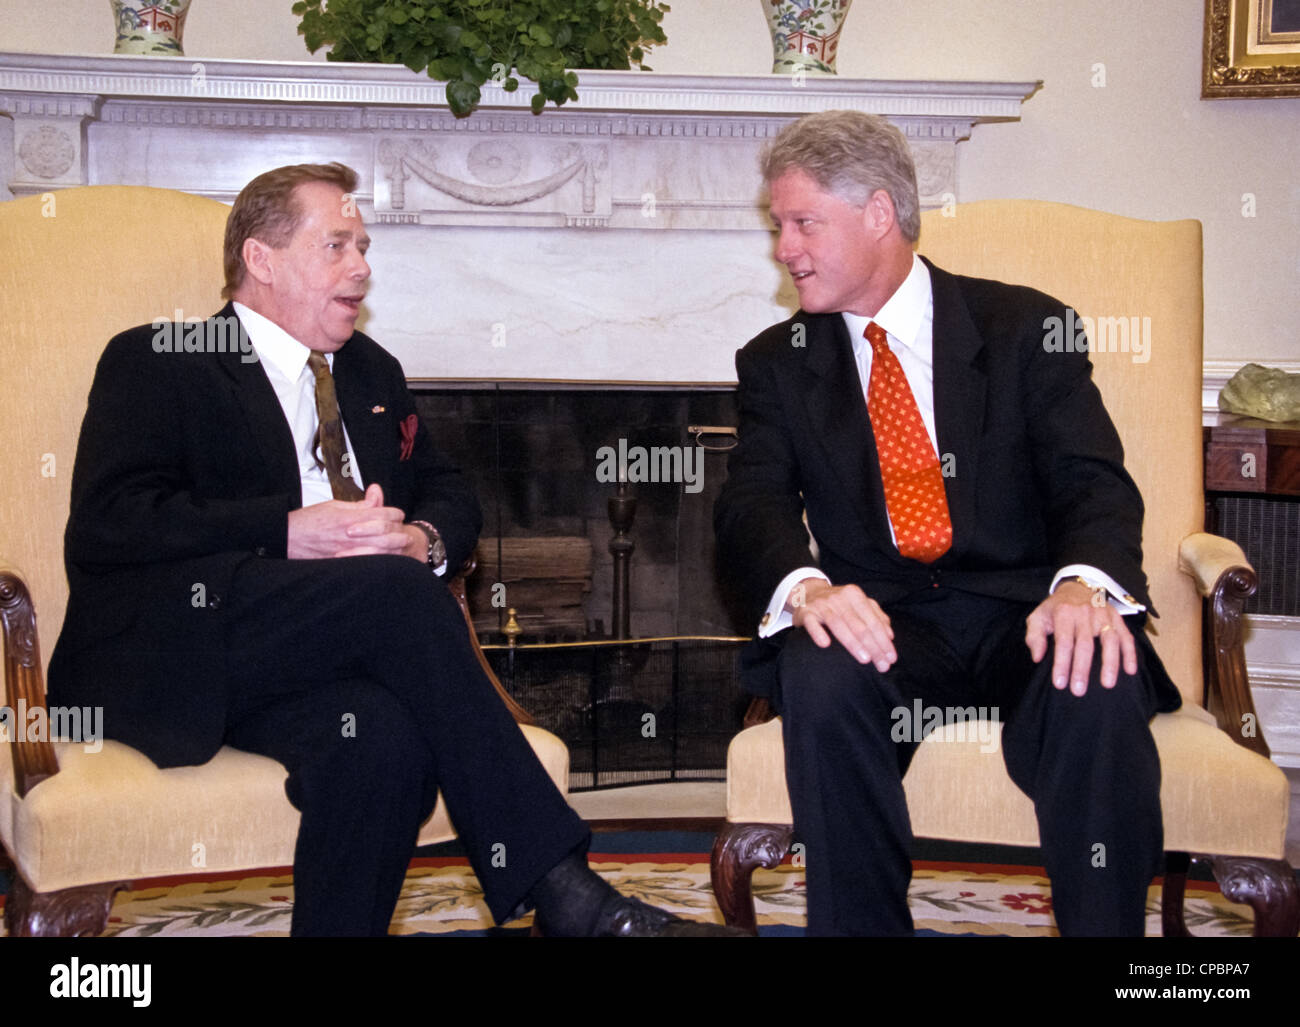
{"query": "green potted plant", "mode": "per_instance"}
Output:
(467, 42)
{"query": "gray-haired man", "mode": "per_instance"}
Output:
(978, 539)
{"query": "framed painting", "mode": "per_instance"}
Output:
(1252, 48)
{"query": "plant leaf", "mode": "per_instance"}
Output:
(462, 97)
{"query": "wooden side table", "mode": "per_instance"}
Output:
(1246, 455)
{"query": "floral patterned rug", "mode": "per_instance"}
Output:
(442, 897)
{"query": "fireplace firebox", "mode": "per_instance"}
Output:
(574, 480)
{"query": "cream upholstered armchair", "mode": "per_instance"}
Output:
(75, 268)
(1221, 796)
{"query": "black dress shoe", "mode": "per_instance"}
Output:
(572, 901)
(623, 917)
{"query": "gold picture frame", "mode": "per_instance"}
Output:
(1252, 48)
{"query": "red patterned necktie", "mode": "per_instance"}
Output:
(909, 466)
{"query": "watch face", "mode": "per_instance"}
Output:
(437, 552)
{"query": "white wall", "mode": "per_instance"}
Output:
(1143, 144)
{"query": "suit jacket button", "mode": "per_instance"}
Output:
(260, 551)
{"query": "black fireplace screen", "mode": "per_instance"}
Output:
(634, 712)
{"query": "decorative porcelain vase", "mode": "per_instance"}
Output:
(805, 34)
(152, 28)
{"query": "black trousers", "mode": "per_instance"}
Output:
(358, 675)
(1089, 763)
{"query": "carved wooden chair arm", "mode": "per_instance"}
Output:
(34, 760)
(457, 586)
(1225, 579)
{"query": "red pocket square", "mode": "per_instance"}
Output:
(408, 426)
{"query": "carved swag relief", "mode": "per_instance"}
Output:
(519, 181)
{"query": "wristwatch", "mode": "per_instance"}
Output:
(437, 547)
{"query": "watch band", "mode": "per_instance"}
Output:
(437, 547)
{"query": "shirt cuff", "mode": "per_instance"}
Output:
(778, 618)
(1124, 602)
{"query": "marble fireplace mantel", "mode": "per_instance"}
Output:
(654, 263)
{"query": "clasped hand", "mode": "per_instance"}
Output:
(1069, 614)
(341, 528)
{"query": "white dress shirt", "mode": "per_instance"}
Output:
(908, 320)
(284, 359)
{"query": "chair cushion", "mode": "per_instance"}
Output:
(1217, 797)
(113, 815)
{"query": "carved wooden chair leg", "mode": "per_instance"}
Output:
(68, 913)
(738, 851)
(1173, 924)
(1268, 886)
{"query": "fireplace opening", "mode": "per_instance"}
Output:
(597, 595)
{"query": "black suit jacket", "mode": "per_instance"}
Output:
(1037, 476)
(186, 468)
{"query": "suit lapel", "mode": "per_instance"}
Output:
(371, 434)
(960, 387)
(837, 412)
(267, 425)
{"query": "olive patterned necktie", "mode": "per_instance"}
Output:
(330, 430)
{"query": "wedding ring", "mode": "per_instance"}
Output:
(1104, 627)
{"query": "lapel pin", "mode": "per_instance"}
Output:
(376, 409)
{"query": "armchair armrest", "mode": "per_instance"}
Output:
(1225, 579)
(457, 586)
(1206, 557)
(34, 760)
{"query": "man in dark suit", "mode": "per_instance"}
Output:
(978, 544)
(258, 531)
